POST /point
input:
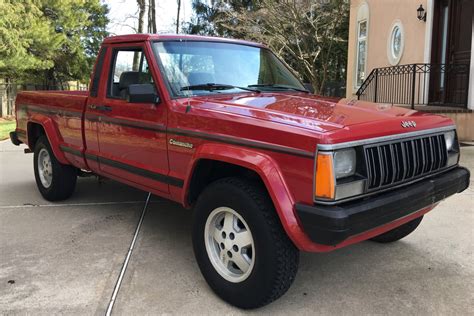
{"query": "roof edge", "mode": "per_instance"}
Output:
(130, 38)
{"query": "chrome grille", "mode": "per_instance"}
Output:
(405, 160)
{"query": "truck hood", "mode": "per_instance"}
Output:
(318, 113)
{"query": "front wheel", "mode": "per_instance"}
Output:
(55, 181)
(240, 246)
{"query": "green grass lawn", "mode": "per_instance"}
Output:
(5, 128)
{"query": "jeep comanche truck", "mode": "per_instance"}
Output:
(226, 129)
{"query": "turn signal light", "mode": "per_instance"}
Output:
(324, 182)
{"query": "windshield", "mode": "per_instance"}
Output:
(201, 68)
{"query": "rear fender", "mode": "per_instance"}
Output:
(52, 133)
(269, 172)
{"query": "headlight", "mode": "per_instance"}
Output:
(449, 138)
(452, 147)
(332, 166)
(344, 163)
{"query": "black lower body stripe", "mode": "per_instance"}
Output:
(143, 173)
(52, 111)
(126, 167)
(70, 150)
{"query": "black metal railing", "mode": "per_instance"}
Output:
(418, 84)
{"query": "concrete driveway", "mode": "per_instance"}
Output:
(66, 257)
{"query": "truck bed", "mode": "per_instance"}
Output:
(60, 110)
(51, 103)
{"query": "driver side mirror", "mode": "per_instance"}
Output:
(142, 93)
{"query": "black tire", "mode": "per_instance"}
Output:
(399, 232)
(64, 177)
(276, 257)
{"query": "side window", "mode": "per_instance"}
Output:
(129, 67)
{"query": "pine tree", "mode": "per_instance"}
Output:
(27, 39)
(50, 41)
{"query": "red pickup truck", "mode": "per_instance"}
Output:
(225, 128)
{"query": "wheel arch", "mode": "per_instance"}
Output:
(40, 125)
(251, 164)
(206, 171)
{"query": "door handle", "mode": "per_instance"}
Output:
(104, 108)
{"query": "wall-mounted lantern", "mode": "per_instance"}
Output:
(421, 13)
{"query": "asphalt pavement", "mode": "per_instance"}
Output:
(66, 257)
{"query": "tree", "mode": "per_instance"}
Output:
(151, 16)
(311, 36)
(141, 15)
(52, 41)
(202, 20)
(27, 39)
(177, 16)
(305, 33)
(209, 16)
(81, 25)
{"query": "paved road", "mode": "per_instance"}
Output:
(66, 257)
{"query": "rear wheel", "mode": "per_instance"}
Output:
(399, 232)
(55, 181)
(241, 248)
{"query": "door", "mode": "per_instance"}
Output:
(131, 136)
(451, 51)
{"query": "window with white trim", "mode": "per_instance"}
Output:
(396, 43)
(361, 52)
(361, 45)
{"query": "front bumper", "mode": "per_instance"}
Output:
(332, 224)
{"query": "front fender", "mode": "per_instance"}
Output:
(52, 133)
(268, 170)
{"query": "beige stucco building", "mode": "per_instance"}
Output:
(405, 54)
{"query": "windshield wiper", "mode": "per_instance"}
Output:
(277, 86)
(216, 86)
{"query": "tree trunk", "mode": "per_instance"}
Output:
(4, 98)
(177, 16)
(141, 15)
(151, 17)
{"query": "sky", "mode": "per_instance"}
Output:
(123, 15)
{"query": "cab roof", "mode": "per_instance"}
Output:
(130, 38)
